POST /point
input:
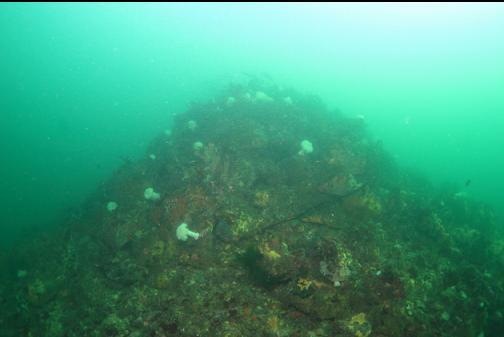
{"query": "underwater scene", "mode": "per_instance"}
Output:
(251, 169)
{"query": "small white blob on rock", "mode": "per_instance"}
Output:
(197, 146)
(230, 101)
(111, 206)
(152, 156)
(306, 147)
(263, 97)
(150, 194)
(167, 132)
(192, 125)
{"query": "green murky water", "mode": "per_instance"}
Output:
(88, 92)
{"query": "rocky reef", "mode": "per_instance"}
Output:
(302, 225)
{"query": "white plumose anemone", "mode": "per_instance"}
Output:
(306, 147)
(111, 206)
(150, 194)
(183, 233)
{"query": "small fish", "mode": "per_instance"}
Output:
(468, 182)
